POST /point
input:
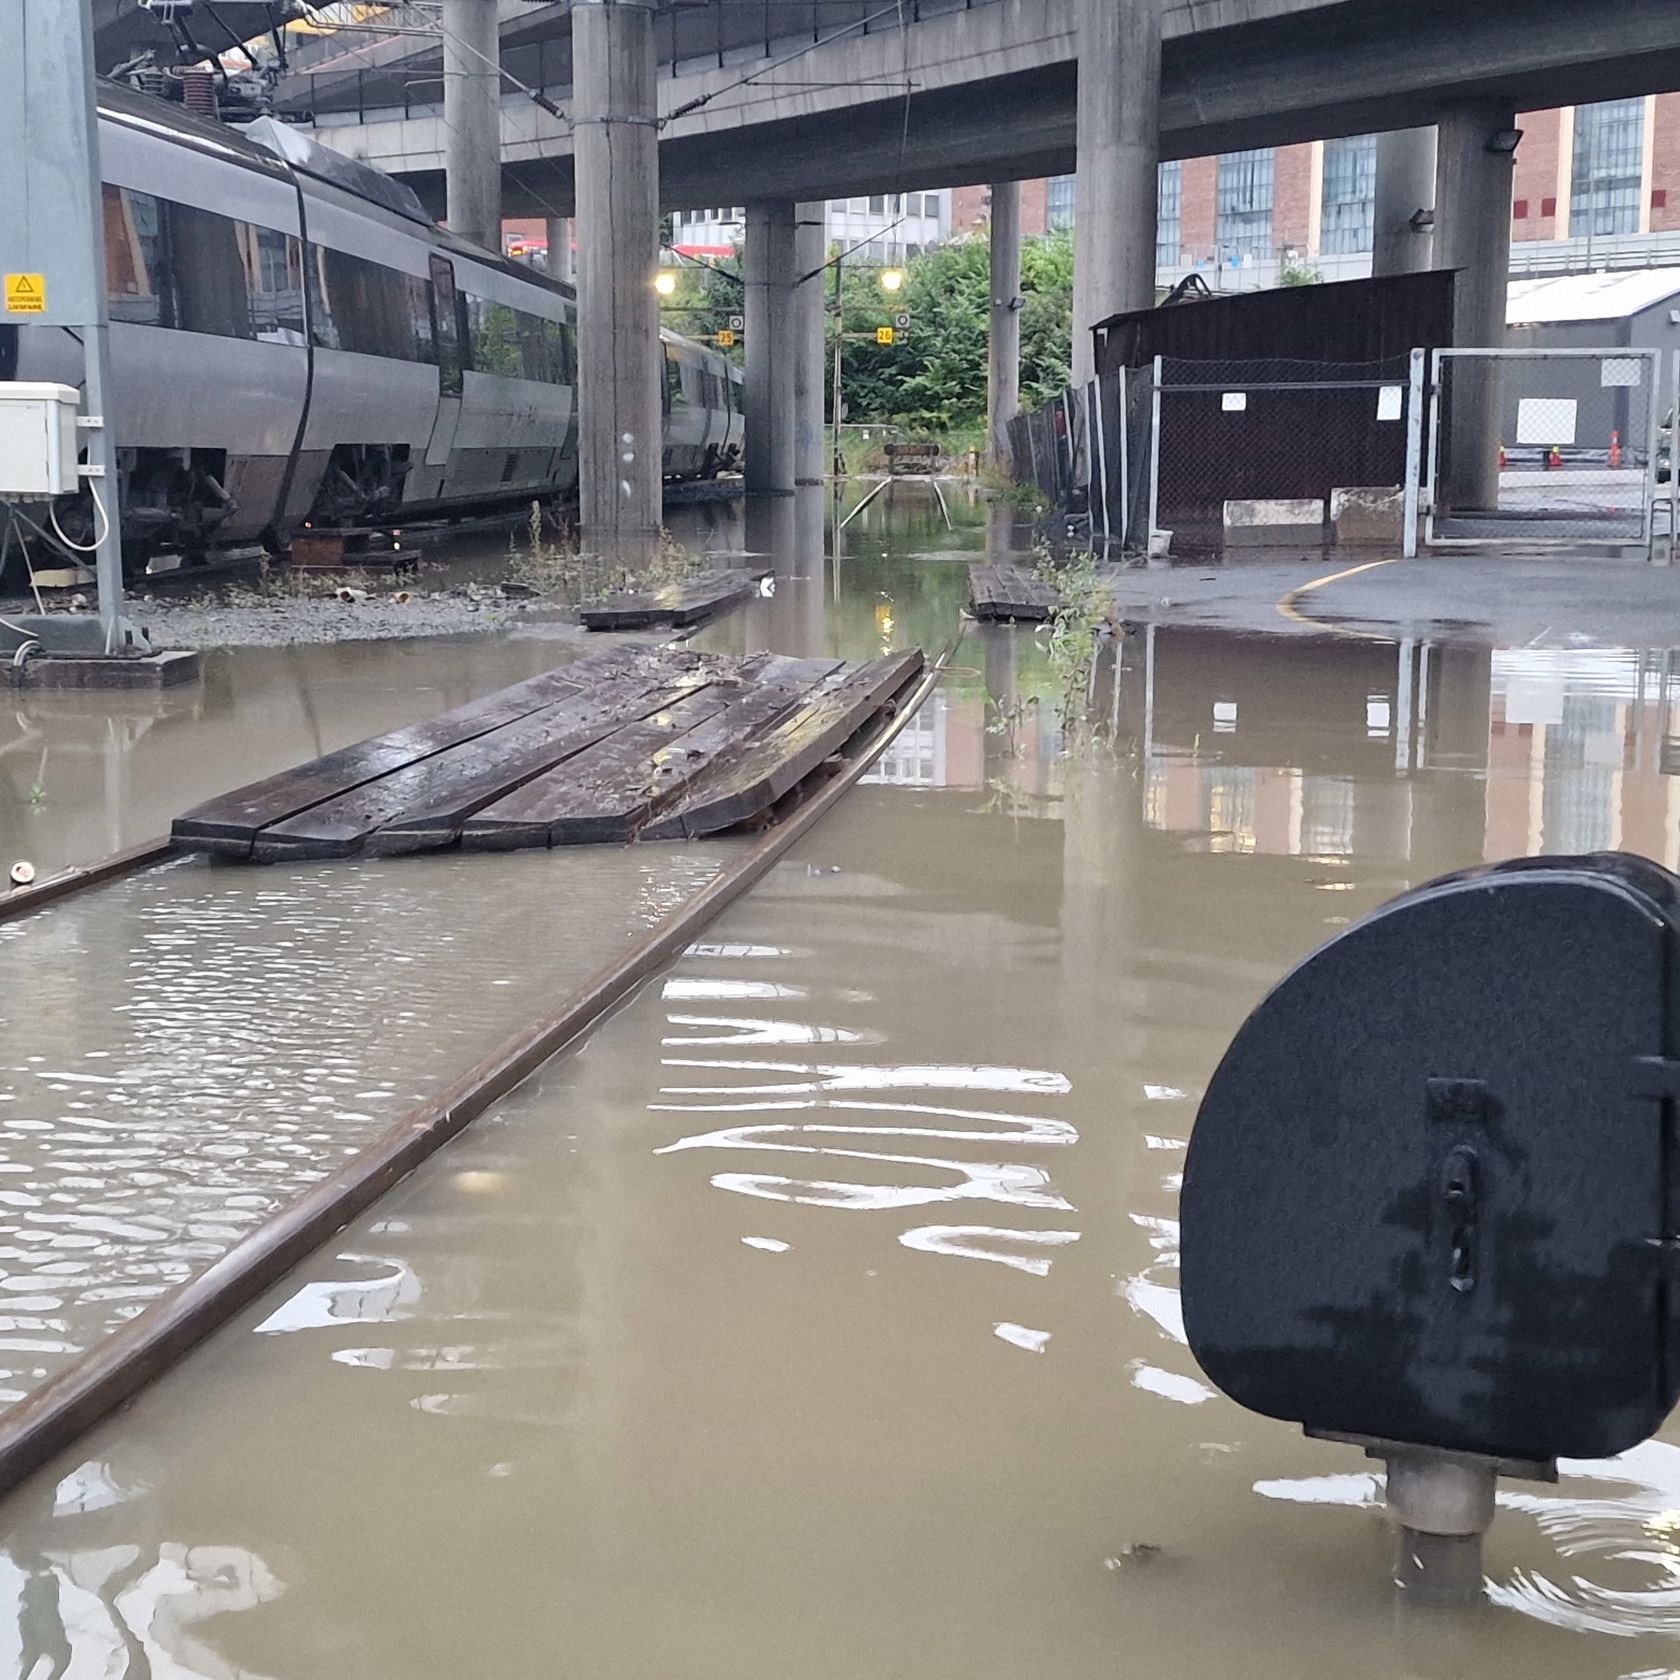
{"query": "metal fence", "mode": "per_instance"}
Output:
(1247, 451)
(1543, 448)
(1466, 448)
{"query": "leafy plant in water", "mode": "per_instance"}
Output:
(1084, 606)
(556, 567)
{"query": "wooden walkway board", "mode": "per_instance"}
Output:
(678, 604)
(230, 823)
(748, 783)
(618, 786)
(1010, 592)
(637, 743)
(428, 801)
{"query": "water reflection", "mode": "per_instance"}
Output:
(823, 1313)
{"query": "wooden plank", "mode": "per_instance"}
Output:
(601, 811)
(523, 817)
(1009, 592)
(745, 785)
(685, 602)
(425, 803)
(230, 823)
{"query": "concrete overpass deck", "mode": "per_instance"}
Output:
(973, 91)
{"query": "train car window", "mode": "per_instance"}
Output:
(493, 330)
(370, 309)
(446, 326)
(418, 291)
(274, 275)
(568, 352)
(677, 395)
(211, 295)
(539, 347)
(510, 343)
(136, 261)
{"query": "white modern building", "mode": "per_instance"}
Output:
(890, 227)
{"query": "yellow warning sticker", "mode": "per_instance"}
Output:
(26, 294)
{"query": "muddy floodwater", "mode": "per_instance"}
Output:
(820, 1317)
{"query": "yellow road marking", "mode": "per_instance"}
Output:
(1286, 603)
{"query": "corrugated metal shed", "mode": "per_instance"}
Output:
(1345, 321)
(1559, 299)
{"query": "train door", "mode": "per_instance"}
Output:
(447, 335)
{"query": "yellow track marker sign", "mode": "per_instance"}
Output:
(26, 294)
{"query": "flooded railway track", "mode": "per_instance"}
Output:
(117, 1364)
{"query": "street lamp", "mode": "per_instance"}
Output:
(891, 279)
(665, 282)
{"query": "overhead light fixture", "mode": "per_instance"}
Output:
(1504, 142)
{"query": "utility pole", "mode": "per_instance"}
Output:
(839, 361)
(52, 240)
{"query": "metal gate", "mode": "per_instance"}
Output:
(1542, 448)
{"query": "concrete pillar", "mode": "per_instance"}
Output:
(810, 252)
(1119, 141)
(1405, 187)
(1475, 165)
(472, 121)
(620, 373)
(1003, 370)
(771, 346)
(560, 264)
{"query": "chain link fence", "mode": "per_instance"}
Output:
(1529, 448)
(1547, 448)
(1267, 454)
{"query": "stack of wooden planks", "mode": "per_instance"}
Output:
(1010, 592)
(633, 743)
(677, 604)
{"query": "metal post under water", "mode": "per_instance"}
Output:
(1443, 1504)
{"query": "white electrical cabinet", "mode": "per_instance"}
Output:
(37, 440)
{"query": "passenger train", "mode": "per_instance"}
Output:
(294, 340)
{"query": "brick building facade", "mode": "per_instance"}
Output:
(1597, 172)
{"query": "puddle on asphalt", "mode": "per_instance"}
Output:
(820, 1317)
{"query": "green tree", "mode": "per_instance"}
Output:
(705, 299)
(933, 378)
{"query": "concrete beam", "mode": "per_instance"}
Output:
(620, 374)
(1404, 237)
(995, 92)
(1003, 365)
(810, 253)
(472, 113)
(560, 256)
(1119, 136)
(769, 261)
(1475, 168)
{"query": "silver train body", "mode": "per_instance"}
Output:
(293, 340)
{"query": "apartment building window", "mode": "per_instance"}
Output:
(1348, 222)
(1245, 201)
(1059, 201)
(1609, 168)
(1169, 213)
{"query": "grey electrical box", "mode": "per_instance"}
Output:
(37, 440)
